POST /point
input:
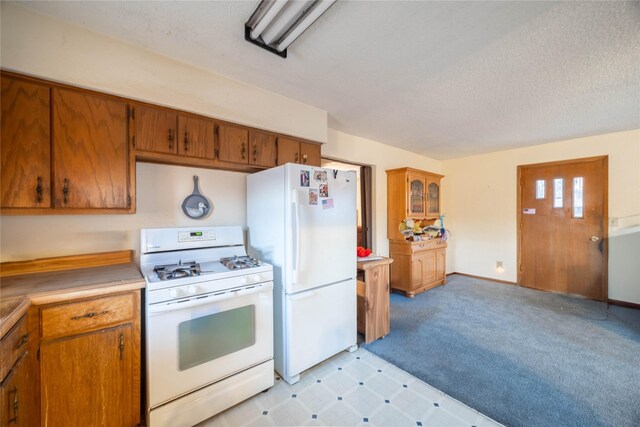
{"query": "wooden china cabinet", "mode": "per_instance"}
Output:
(420, 265)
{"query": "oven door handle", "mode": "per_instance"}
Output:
(159, 308)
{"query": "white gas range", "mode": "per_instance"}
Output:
(209, 323)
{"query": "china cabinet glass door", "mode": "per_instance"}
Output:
(416, 196)
(433, 199)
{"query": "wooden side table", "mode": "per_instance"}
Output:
(373, 299)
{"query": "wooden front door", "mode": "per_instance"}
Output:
(563, 227)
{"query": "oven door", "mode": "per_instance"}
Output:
(197, 342)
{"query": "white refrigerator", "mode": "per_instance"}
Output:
(302, 220)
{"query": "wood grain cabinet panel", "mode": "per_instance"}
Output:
(263, 149)
(310, 154)
(233, 144)
(18, 382)
(90, 364)
(196, 137)
(26, 145)
(87, 379)
(288, 150)
(91, 152)
(154, 129)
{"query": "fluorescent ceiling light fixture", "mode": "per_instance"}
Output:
(275, 24)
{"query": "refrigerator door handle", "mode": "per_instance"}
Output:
(301, 295)
(296, 236)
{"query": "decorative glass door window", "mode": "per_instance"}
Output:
(558, 187)
(540, 190)
(578, 197)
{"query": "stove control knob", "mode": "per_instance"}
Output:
(173, 293)
(192, 290)
(256, 278)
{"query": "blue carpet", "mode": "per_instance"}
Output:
(520, 356)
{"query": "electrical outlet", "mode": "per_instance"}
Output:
(613, 221)
(499, 266)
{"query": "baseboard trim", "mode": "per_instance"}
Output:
(490, 279)
(624, 303)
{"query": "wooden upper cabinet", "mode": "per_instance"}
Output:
(154, 129)
(263, 149)
(196, 137)
(288, 150)
(233, 144)
(292, 150)
(26, 145)
(91, 152)
(310, 154)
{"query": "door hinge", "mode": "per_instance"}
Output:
(129, 201)
(133, 141)
(121, 346)
(215, 130)
(520, 267)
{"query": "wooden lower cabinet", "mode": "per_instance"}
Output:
(18, 384)
(417, 266)
(91, 376)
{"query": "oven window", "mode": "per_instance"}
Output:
(207, 338)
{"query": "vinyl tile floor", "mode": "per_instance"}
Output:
(351, 389)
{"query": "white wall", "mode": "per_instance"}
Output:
(381, 157)
(160, 192)
(38, 45)
(480, 199)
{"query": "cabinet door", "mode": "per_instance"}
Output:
(233, 144)
(310, 154)
(26, 145)
(263, 149)
(90, 151)
(423, 269)
(288, 150)
(17, 395)
(416, 196)
(433, 198)
(441, 263)
(196, 137)
(155, 130)
(87, 379)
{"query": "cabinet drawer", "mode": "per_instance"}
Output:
(13, 345)
(409, 248)
(88, 315)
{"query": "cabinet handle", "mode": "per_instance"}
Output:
(65, 190)
(170, 139)
(121, 346)
(186, 141)
(23, 340)
(89, 315)
(255, 152)
(304, 159)
(39, 189)
(15, 406)
(296, 158)
(244, 151)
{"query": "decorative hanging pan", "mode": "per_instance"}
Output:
(195, 205)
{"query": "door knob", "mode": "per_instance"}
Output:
(594, 238)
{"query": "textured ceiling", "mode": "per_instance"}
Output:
(443, 79)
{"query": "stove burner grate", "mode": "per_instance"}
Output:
(177, 271)
(239, 262)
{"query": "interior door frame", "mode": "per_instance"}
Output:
(605, 216)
